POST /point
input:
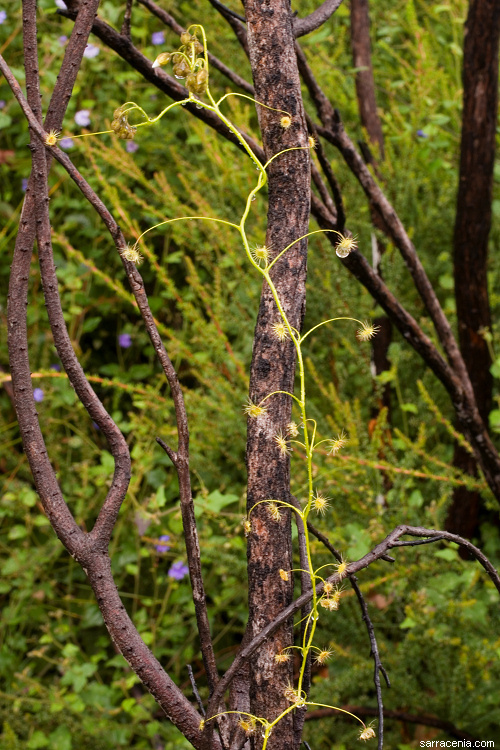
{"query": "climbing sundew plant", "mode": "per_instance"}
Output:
(188, 65)
(262, 699)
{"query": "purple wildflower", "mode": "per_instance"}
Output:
(66, 143)
(131, 147)
(2, 103)
(421, 134)
(82, 117)
(3, 16)
(56, 367)
(62, 40)
(177, 571)
(157, 38)
(24, 184)
(61, 4)
(164, 547)
(95, 426)
(91, 50)
(38, 395)
(125, 340)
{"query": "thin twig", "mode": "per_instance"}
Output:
(195, 690)
(417, 542)
(236, 23)
(125, 30)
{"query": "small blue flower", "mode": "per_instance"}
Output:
(421, 134)
(61, 4)
(2, 103)
(157, 38)
(131, 147)
(178, 571)
(38, 395)
(62, 40)
(82, 117)
(95, 426)
(56, 367)
(24, 184)
(3, 16)
(66, 143)
(164, 547)
(91, 50)
(125, 340)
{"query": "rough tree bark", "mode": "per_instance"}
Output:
(472, 227)
(277, 83)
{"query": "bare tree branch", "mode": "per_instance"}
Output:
(365, 85)
(125, 30)
(89, 550)
(303, 26)
(456, 378)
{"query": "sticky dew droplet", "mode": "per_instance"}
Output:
(343, 252)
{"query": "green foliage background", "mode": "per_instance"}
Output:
(62, 684)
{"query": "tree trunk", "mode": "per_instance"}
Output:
(276, 79)
(472, 226)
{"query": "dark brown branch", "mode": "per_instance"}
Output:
(426, 721)
(339, 138)
(97, 566)
(101, 533)
(377, 553)
(334, 132)
(337, 209)
(195, 689)
(365, 85)
(34, 445)
(62, 520)
(455, 375)
(471, 231)
(468, 416)
(62, 341)
(317, 18)
(235, 22)
(125, 30)
(227, 11)
(475, 192)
